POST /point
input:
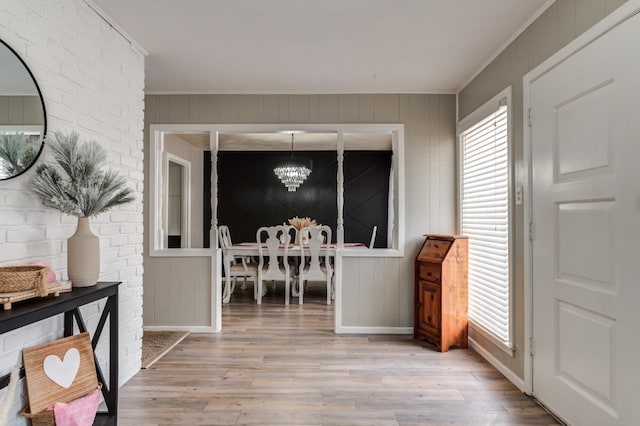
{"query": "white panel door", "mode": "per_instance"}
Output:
(586, 214)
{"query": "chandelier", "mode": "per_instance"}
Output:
(293, 171)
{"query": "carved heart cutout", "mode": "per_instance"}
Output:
(64, 371)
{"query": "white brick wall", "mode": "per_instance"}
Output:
(92, 80)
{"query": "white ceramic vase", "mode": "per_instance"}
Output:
(83, 255)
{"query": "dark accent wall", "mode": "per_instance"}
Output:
(366, 195)
(174, 241)
(206, 199)
(250, 195)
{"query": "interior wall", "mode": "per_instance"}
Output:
(429, 191)
(92, 80)
(25, 110)
(561, 23)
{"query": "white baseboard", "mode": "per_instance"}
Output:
(374, 330)
(517, 381)
(191, 328)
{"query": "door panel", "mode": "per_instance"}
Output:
(585, 367)
(582, 124)
(586, 210)
(430, 305)
(586, 258)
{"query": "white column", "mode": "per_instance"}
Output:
(213, 230)
(340, 179)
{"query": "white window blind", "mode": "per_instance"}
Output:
(485, 220)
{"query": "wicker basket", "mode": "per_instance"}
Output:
(14, 279)
(44, 418)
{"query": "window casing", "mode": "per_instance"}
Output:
(485, 216)
(396, 216)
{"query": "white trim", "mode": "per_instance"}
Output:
(398, 165)
(101, 13)
(155, 211)
(367, 252)
(298, 92)
(615, 18)
(527, 206)
(506, 372)
(506, 44)
(216, 289)
(191, 328)
(509, 350)
(156, 132)
(374, 330)
(183, 252)
(337, 313)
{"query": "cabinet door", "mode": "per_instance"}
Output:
(429, 307)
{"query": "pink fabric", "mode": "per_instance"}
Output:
(333, 245)
(80, 412)
(52, 275)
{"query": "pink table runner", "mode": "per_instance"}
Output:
(250, 244)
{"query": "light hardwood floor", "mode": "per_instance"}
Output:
(274, 364)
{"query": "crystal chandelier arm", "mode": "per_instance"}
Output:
(291, 144)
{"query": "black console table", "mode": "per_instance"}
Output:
(34, 310)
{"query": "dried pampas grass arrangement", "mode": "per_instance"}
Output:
(76, 184)
(302, 222)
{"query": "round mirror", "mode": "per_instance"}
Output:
(23, 122)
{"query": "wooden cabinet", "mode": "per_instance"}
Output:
(440, 302)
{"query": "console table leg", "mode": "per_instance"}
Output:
(68, 324)
(113, 355)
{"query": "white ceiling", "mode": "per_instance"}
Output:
(317, 46)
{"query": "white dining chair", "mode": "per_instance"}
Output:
(312, 267)
(292, 232)
(235, 266)
(373, 237)
(272, 265)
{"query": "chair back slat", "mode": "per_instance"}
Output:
(224, 236)
(270, 250)
(317, 236)
(373, 237)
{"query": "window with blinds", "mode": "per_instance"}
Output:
(484, 213)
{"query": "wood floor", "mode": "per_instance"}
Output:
(284, 365)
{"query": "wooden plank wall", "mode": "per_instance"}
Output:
(561, 23)
(379, 289)
(20, 110)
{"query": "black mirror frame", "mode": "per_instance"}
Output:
(44, 112)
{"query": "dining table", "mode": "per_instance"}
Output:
(251, 249)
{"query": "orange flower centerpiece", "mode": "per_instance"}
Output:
(302, 222)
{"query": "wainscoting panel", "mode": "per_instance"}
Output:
(372, 294)
(177, 291)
